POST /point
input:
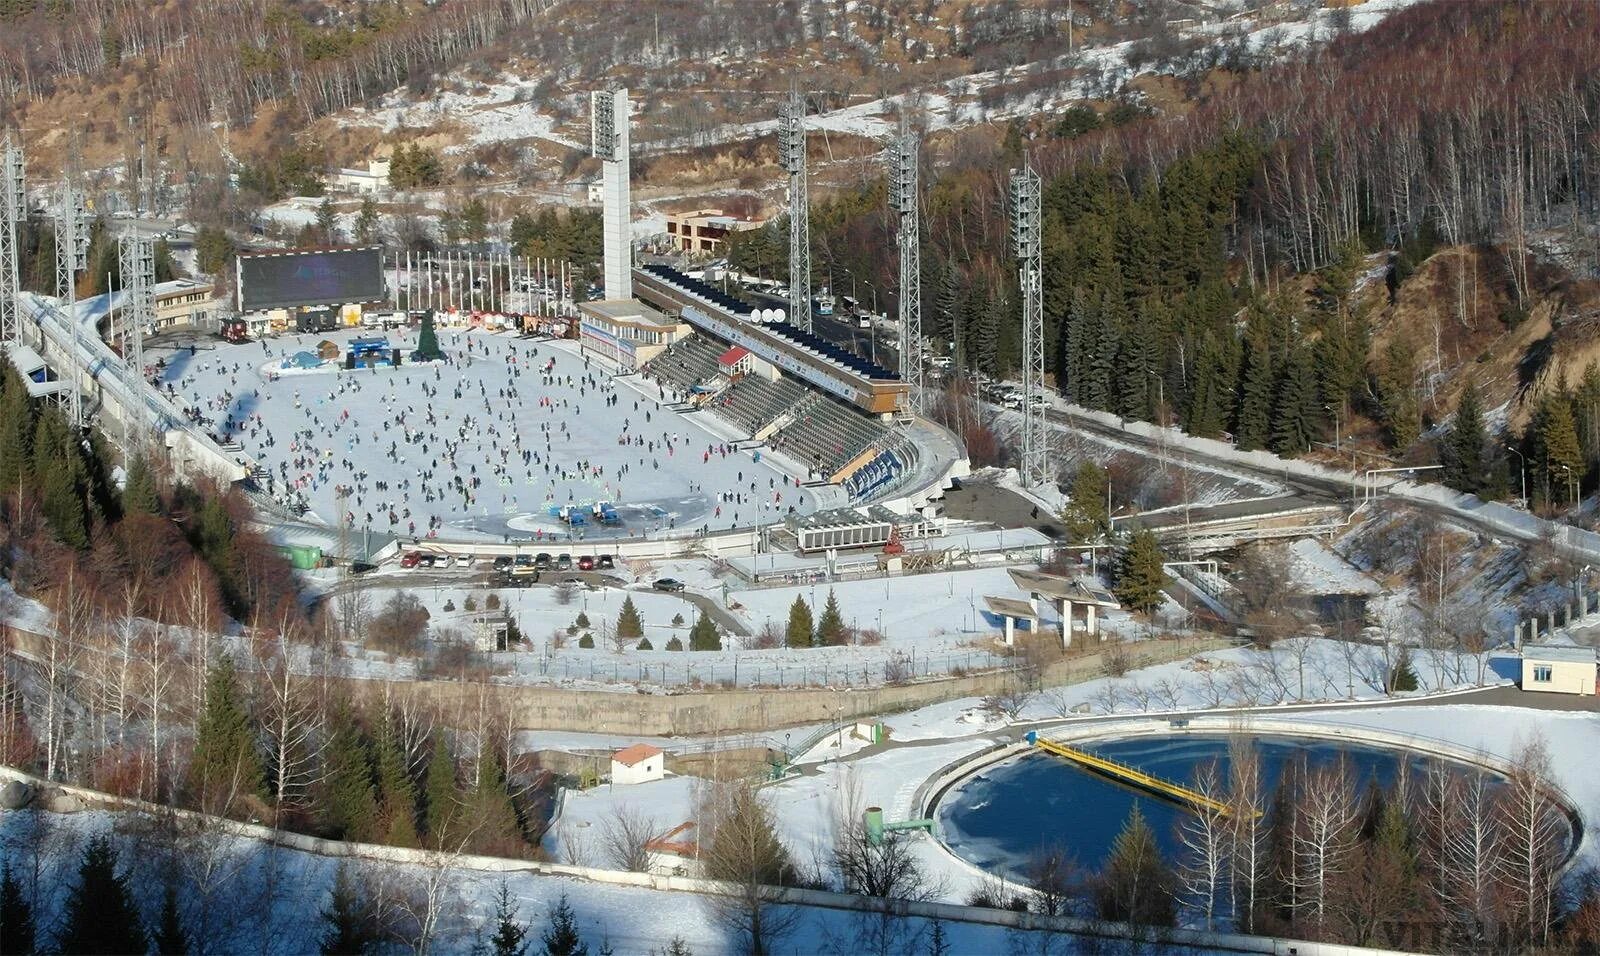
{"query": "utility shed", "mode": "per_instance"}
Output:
(640, 763)
(1558, 669)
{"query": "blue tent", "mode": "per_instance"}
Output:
(302, 360)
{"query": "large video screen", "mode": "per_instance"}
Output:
(310, 278)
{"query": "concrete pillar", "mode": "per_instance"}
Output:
(1549, 621)
(1010, 629)
(1089, 624)
(1066, 623)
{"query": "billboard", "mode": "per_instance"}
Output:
(284, 280)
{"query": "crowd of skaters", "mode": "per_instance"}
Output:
(468, 456)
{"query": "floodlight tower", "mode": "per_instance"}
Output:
(72, 257)
(608, 142)
(1025, 227)
(792, 157)
(136, 259)
(903, 200)
(13, 212)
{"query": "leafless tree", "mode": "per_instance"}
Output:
(1531, 850)
(1205, 833)
(1324, 837)
(739, 845)
(1247, 832)
(624, 835)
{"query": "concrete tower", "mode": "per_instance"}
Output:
(608, 142)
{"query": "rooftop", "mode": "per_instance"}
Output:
(627, 310)
(638, 753)
(1563, 653)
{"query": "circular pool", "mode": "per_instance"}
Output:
(1001, 817)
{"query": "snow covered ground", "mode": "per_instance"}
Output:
(481, 446)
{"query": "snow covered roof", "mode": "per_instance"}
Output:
(636, 754)
(1012, 608)
(1561, 653)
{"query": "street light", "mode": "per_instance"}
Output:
(1524, 462)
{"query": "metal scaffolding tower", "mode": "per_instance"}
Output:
(72, 257)
(13, 211)
(1025, 227)
(136, 260)
(792, 157)
(903, 200)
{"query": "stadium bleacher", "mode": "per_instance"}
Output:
(753, 402)
(827, 350)
(699, 289)
(686, 364)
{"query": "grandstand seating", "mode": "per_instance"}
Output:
(828, 436)
(686, 364)
(753, 402)
(833, 353)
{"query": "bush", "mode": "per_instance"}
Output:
(399, 626)
(644, 645)
(582, 621)
(470, 604)
(493, 603)
(586, 642)
(674, 645)
(449, 604)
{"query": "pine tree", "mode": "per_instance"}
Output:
(799, 632)
(139, 488)
(1405, 676)
(16, 432)
(348, 806)
(367, 221)
(397, 795)
(226, 762)
(644, 645)
(1140, 578)
(495, 825)
(562, 938)
(674, 644)
(1136, 885)
(327, 221)
(443, 795)
(703, 636)
(1464, 466)
(1253, 424)
(628, 623)
(347, 918)
(1295, 418)
(510, 936)
(1397, 393)
(830, 626)
(170, 939)
(1558, 456)
(16, 916)
(428, 340)
(1085, 515)
(100, 915)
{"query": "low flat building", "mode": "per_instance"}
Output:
(1558, 669)
(626, 331)
(373, 179)
(185, 303)
(705, 231)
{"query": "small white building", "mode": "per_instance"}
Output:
(596, 191)
(640, 763)
(373, 179)
(1558, 669)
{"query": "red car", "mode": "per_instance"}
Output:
(586, 563)
(411, 559)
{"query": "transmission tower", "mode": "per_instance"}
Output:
(13, 211)
(792, 157)
(903, 200)
(136, 260)
(72, 257)
(1025, 225)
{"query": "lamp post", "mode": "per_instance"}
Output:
(1524, 469)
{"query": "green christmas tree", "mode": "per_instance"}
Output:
(348, 804)
(428, 340)
(1464, 444)
(347, 919)
(1136, 885)
(1139, 577)
(830, 626)
(397, 795)
(510, 936)
(703, 636)
(562, 938)
(225, 761)
(100, 915)
(628, 623)
(799, 632)
(170, 939)
(1085, 514)
(443, 795)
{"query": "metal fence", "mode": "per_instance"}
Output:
(680, 669)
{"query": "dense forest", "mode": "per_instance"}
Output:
(1202, 268)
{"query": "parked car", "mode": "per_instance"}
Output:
(502, 563)
(466, 560)
(542, 561)
(668, 584)
(410, 559)
(606, 563)
(573, 582)
(428, 561)
(563, 562)
(586, 563)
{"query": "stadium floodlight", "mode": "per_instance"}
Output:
(903, 200)
(13, 213)
(1026, 219)
(792, 157)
